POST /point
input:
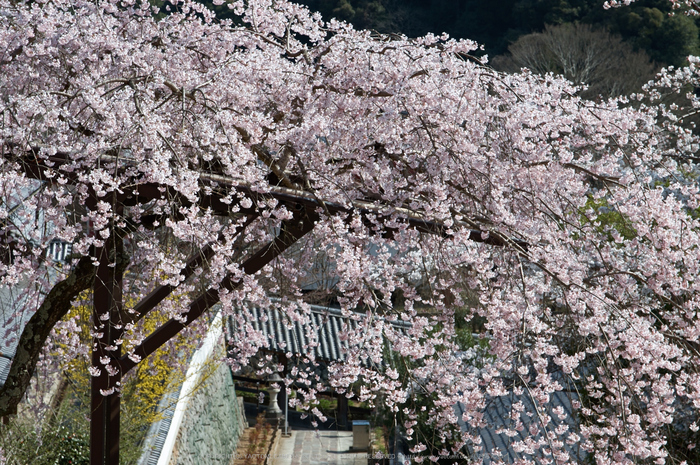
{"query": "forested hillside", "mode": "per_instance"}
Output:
(645, 24)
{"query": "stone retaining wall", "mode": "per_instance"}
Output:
(208, 419)
(212, 424)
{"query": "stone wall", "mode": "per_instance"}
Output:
(212, 424)
(208, 419)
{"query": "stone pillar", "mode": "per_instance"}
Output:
(282, 396)
(274, 413)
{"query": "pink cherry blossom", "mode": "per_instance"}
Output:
(435, 187)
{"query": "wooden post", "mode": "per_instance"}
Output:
(342, 411)
(106, 318)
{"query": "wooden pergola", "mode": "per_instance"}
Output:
(107, 284)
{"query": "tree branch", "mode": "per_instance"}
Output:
(33, 339)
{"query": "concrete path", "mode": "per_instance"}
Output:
(306, 447)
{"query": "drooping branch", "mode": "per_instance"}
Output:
(143, 192)
(159, 294)
(55, 306)
(290, 232)
(34, 335)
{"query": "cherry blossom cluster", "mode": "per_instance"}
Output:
(585, 266)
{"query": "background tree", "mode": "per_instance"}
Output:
(647, 24)
(604, 63)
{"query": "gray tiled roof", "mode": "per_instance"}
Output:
(284, 335)
(14, 314)
(4, 369)
(58, 250)
(496, 444)
(12, 323)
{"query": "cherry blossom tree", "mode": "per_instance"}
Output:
(175, 152)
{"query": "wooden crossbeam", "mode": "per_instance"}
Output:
(291, 232)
